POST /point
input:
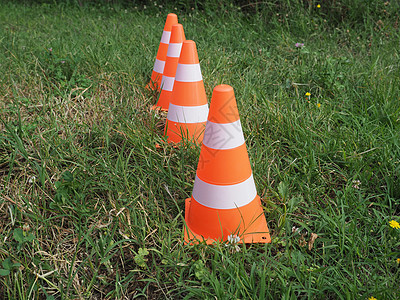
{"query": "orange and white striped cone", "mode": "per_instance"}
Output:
(171, 63)
(188, 109)
(158, 69)
(224, 200)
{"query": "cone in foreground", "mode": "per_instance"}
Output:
(224, 201)
(158, 69)
(188, 109)
(171, 63)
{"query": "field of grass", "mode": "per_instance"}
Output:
(91, 209)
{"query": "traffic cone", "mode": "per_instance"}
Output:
(188, 109)
(171, 63)
(158, 69)
(224, 200)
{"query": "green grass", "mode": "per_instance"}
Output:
(91, 209)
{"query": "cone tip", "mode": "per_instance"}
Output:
(178, 25)
(223, 88)
(189, 42)
(177, 34)
(172, 19)
(223, 107)
(189, 53)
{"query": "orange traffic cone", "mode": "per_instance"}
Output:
(224, 201)
(158, 69)
(188, 109)
(171, 63)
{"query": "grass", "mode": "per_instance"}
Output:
(90, 209)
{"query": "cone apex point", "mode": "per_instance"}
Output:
(223, 88)
(172, 19)
(223, 107)
(177, 34)
(189, 53)
(177, 25)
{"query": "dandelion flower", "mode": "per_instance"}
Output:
(318, 6)
(398, 261)
(308, 94)
(319, 105)
(394, 224)
(372, 298)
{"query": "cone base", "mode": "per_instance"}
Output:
(152, 86)
(174, 145)
(164, 100)
(176, 132)
(156, 107)
(155, 82)
(259, 228)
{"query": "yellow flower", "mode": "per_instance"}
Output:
(319, 6)
(308, 94)
(372, 298)
(394, 224)
(319, 105)
(398, 260)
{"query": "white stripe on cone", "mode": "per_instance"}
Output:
(174, 49)
(187, 114)
(223, 136)
(159, 66)
(188, 73)
(167, 83)
(166, 35)
(224, 196)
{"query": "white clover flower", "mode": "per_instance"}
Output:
(233, 239)
(356, 184)
(295, 230)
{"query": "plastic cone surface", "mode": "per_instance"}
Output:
(224, 201)
(171, 63)
(188, 109)
(158, 69)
